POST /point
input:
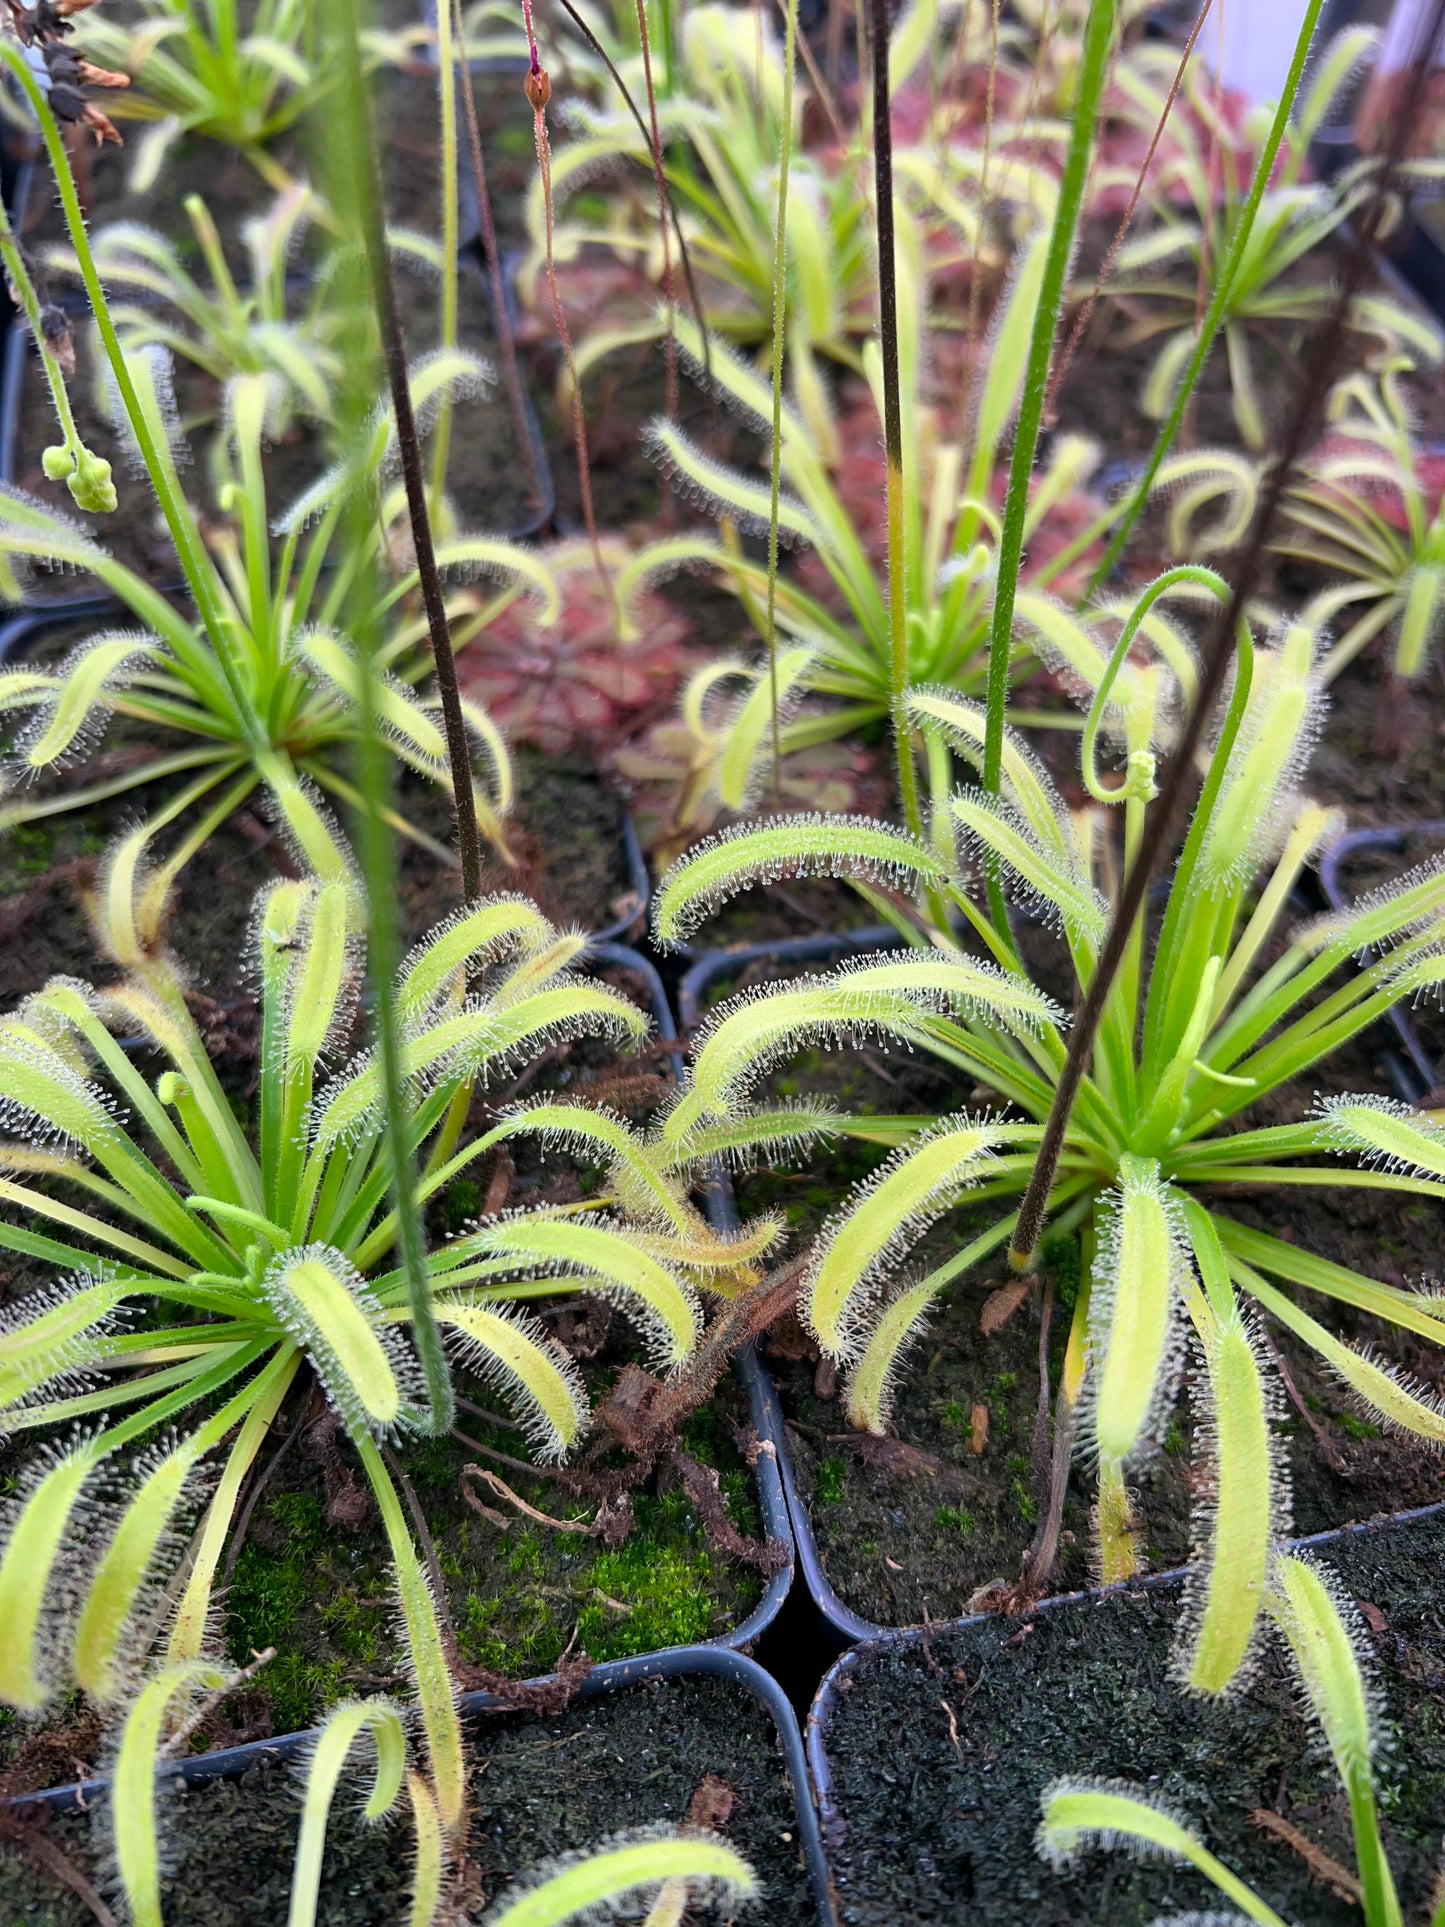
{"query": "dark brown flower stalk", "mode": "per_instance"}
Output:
(660, 180)
(538, 89)
(1320, 363)
(694, 298)
(409, 446)
(505, 342)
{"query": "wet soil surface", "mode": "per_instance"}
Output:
(539, 1788)
(917, 1524)
(939, 1829)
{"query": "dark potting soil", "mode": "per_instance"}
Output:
(539, 1788)
(941, 1829)
(919, 1523)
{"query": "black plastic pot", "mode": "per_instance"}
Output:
(842, 1624)
(680, 1662)
(967, 1647)
(1410, 1067)
(726, 1655)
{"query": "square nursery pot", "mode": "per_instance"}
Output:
(724, 1655)
(930, 1750)
(895, 1535)
(630, 1750)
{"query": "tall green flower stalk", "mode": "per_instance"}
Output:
(892, 413)
(1218, 302)
(1098, 45)
(780, 310)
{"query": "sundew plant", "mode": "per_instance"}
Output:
(203, 1265)
(1223, 1004)
(260, 684)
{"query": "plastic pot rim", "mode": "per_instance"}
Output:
(674, 1662)
(825, 1700)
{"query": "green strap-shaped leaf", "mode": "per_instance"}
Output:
(319, 973)
(848, 847)
(1241, 1519)
(751, 1033)
(1134, 1311)
(396, 710)
(887, 1215)
(1026, 782)
(330, 1312)
(460, 1047)
(749, 732)
(48, 1333)
(1388, 1392)
(431, 1853)
(1266, 757)
(1304, 1606)
(1384, 1133)
(40, 1526)
(345, 1725)
(644, 1188)
(81, 685)
(530, 1367)
(634, 1864)
(994, 833)
(602, 1256)
(133, 1785)
(436, 1691)
(1079, 1814)
(496, 927)
(123, 1569)
(726, 492)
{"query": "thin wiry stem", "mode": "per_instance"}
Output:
(447, 101)
(1223, 288)
(694, 298)
(1106, 266)
(780, 320)
(971, 337)
(505, 340)
(409, 446)
(539, 92)
(1320, 363)
(660, 179)
(892, 413)
(1098, 44)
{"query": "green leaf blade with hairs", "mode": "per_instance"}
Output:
(517, 1352)
(1134, 1312)
(133, 1785)
(1082, 1814)
(344, 1727)
(128, 1559)
(38, 1527)
(888, 1214)
(807, 846)
(331, 1314)
(1240, 1521)
(635, 1864)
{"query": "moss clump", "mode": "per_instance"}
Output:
(275, 1591)
(832, 1476)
